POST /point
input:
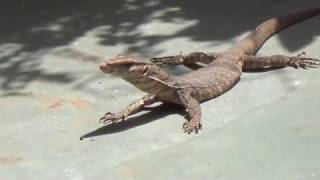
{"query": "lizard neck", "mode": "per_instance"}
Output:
(156, 81)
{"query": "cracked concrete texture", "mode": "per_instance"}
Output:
(52, 93)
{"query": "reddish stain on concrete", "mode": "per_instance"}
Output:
(9, 161)
(76, 103)
(131, 172)
(57, 103)
(80, 103)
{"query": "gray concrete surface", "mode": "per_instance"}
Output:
(51, 94)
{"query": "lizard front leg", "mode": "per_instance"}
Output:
(277, 61)
(129, 110)
(193, 123)
(189, 60)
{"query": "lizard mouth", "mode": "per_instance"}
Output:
(104, 67)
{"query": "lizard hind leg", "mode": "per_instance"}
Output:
(278, 61)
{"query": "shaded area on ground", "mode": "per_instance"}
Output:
(31, 29)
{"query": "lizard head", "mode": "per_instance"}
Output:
(146, 76)
(126, 66)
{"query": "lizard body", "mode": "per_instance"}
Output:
(221, 73)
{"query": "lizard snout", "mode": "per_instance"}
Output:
(104, 67)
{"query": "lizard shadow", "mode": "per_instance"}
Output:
(272, 69)
(260, 70)
(154, 113)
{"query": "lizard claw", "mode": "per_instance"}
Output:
(304, 62)
(191, 126)
(110, 118)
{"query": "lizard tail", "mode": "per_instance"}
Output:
(253, 42)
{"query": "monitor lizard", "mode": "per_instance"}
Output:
(221, 72)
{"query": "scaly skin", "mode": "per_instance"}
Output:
(221, 73)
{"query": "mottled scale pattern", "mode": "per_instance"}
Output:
(213, 80)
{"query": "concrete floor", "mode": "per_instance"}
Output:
(51, 94)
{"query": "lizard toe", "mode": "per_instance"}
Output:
(109, 118)
(190, 127)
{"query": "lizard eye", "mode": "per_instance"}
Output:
(145, 70)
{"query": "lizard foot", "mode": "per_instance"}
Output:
(191, 126)
(110, 118)
(304, 62)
